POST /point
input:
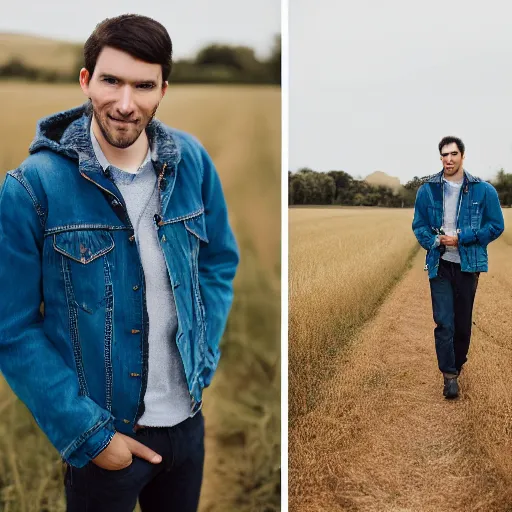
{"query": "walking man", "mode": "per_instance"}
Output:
(455, 217)
(119, 225)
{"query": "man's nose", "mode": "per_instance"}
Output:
(125, 105)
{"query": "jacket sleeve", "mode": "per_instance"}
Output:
(492, 221)
(420, 225)
(218, 261)
(30, 363)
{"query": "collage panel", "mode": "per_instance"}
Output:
(140, 218)
(399, 181)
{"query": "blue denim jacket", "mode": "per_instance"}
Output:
(80, 366)
(479, 221)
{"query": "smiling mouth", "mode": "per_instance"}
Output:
(123, 121)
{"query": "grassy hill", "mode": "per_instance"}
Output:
(381, 178)
(45, 59)
(39, 52)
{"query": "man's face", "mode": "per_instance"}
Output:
(125, 93)
(451, 158)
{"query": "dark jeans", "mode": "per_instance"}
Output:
(173, 485)
(453, 294)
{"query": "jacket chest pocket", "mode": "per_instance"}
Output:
(85, 267)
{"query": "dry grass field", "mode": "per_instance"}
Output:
(240, 127)
(341, 263)
(379, 436)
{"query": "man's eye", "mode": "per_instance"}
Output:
(111, 81)
(145, 86)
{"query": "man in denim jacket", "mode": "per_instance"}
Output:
(118, 224)
(456, 216)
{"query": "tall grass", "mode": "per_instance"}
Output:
(342, 262)
(240, 128)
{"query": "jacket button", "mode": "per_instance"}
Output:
(135, 288)
(135, 331)
(126, 421)
(131, 239)
(134, 374)
(115, 202)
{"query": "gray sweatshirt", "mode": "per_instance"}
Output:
(167, 399)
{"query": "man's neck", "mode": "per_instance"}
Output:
(127, 159)
(457, 177)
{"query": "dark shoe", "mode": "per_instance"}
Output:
(451, 387)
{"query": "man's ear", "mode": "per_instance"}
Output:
(165, 85)
(84, 79)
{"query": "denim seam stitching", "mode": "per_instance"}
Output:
(41, 214)
(106, 442)
(83, 437)
(201, 164)
(184, 217)
(203, 238)
(73, 328)
(108, 334)
(200, 304)
(77, 227)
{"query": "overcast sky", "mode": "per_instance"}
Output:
(191, 24)
(376, 85)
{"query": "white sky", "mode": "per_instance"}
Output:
(376, 85)
(191, 24)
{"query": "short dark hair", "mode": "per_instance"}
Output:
(140, 36)
(450, 140)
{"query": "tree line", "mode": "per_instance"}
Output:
(308, 187)
(215, 63)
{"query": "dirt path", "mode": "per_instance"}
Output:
(384, 439)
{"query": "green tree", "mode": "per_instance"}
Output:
(273, 64)
(503, 185)
(298, 192)
(342, 182)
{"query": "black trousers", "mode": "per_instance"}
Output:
(453, 295)
(172, 485)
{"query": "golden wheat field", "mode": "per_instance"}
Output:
(369, 428)
(336, 256)
(240, 128)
